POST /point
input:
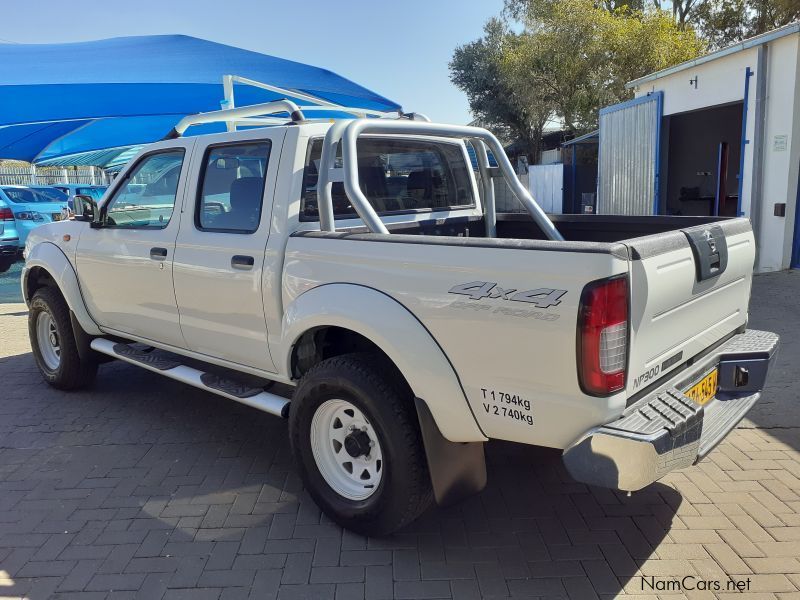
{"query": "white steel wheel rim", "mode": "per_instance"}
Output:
(352, 477)
(49, 342)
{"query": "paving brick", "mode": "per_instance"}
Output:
(127, 581)
(774, 564)
(326, 552)
(406, 565)
(337, 574)
(365, 557)
(297, 569)
(192, 594)
(419, 590)
(226, 578)
(379, 583)
(213, 508)
(52, 568)
(307, 592)
(726, 558)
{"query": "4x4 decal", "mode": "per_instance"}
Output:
(540, 297)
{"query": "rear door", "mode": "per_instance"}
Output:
(686, 295)
(219, 258)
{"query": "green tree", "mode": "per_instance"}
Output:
(724, 22)
(497, 98)
(564, 58)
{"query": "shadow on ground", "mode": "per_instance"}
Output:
(773, 307)
(143, 485)
(142, 480)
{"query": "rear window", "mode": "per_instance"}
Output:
(396, 176)
(53, 194)
(94, 192)
(25, 196)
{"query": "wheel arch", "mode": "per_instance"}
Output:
(47, 265)
(363, 315)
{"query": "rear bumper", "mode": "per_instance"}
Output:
(666, 430)
(9, 248)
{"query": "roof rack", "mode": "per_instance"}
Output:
(258, 115)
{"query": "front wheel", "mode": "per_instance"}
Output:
(356, 440)
(53, 342)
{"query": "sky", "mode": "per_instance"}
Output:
(398, 49)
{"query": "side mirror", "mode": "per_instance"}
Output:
(86, 209)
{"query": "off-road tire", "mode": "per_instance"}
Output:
(73, 372)
(375, 387)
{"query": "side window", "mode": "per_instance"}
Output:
(396, 175)
(147, 197)
(233, 187)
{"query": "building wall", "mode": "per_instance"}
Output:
(781, 166)
(722, 81)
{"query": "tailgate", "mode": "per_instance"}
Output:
(689, 289)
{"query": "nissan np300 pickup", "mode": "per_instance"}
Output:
(362, 262)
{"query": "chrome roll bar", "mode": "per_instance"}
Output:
(347, 134)
(489, 208)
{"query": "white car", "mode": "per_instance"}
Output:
(361, 262)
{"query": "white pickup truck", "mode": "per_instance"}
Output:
(362, 262)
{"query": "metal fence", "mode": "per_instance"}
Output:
(33, 175)
(504, 198)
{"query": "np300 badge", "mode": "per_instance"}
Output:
(540, 297)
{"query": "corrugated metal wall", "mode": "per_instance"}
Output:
(546, 185)
(628, 160)
(550, 157)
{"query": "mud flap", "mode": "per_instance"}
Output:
(458, 469)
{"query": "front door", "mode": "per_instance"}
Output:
(125, 267)
(219, 257)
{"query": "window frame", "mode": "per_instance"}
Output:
(201, 179)
(125, 179)
(388, 213)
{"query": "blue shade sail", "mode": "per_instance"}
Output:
(62, 99)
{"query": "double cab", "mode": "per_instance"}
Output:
(362, 263)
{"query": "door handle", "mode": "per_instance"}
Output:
(158, 253)
(242, 262)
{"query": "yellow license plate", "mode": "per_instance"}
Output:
(705, 389)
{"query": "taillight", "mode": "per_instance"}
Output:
(603, 336)
(6, 214)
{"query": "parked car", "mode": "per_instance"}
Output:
(74, 189)
(31, 209)
(53, 193)
(9, 239)
(360, 262)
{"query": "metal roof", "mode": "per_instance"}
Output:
(752, 42)
(101, 158)
(593, 137)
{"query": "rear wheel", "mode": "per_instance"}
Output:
(5, 263)
(53, 342)
(356, 439)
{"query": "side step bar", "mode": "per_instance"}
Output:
(261, 400)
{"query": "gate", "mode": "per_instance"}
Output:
(627, 172)
(546, 185)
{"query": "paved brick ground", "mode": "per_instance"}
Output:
(144, 488)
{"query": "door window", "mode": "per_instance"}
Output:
(146, 198)
(233, 187)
